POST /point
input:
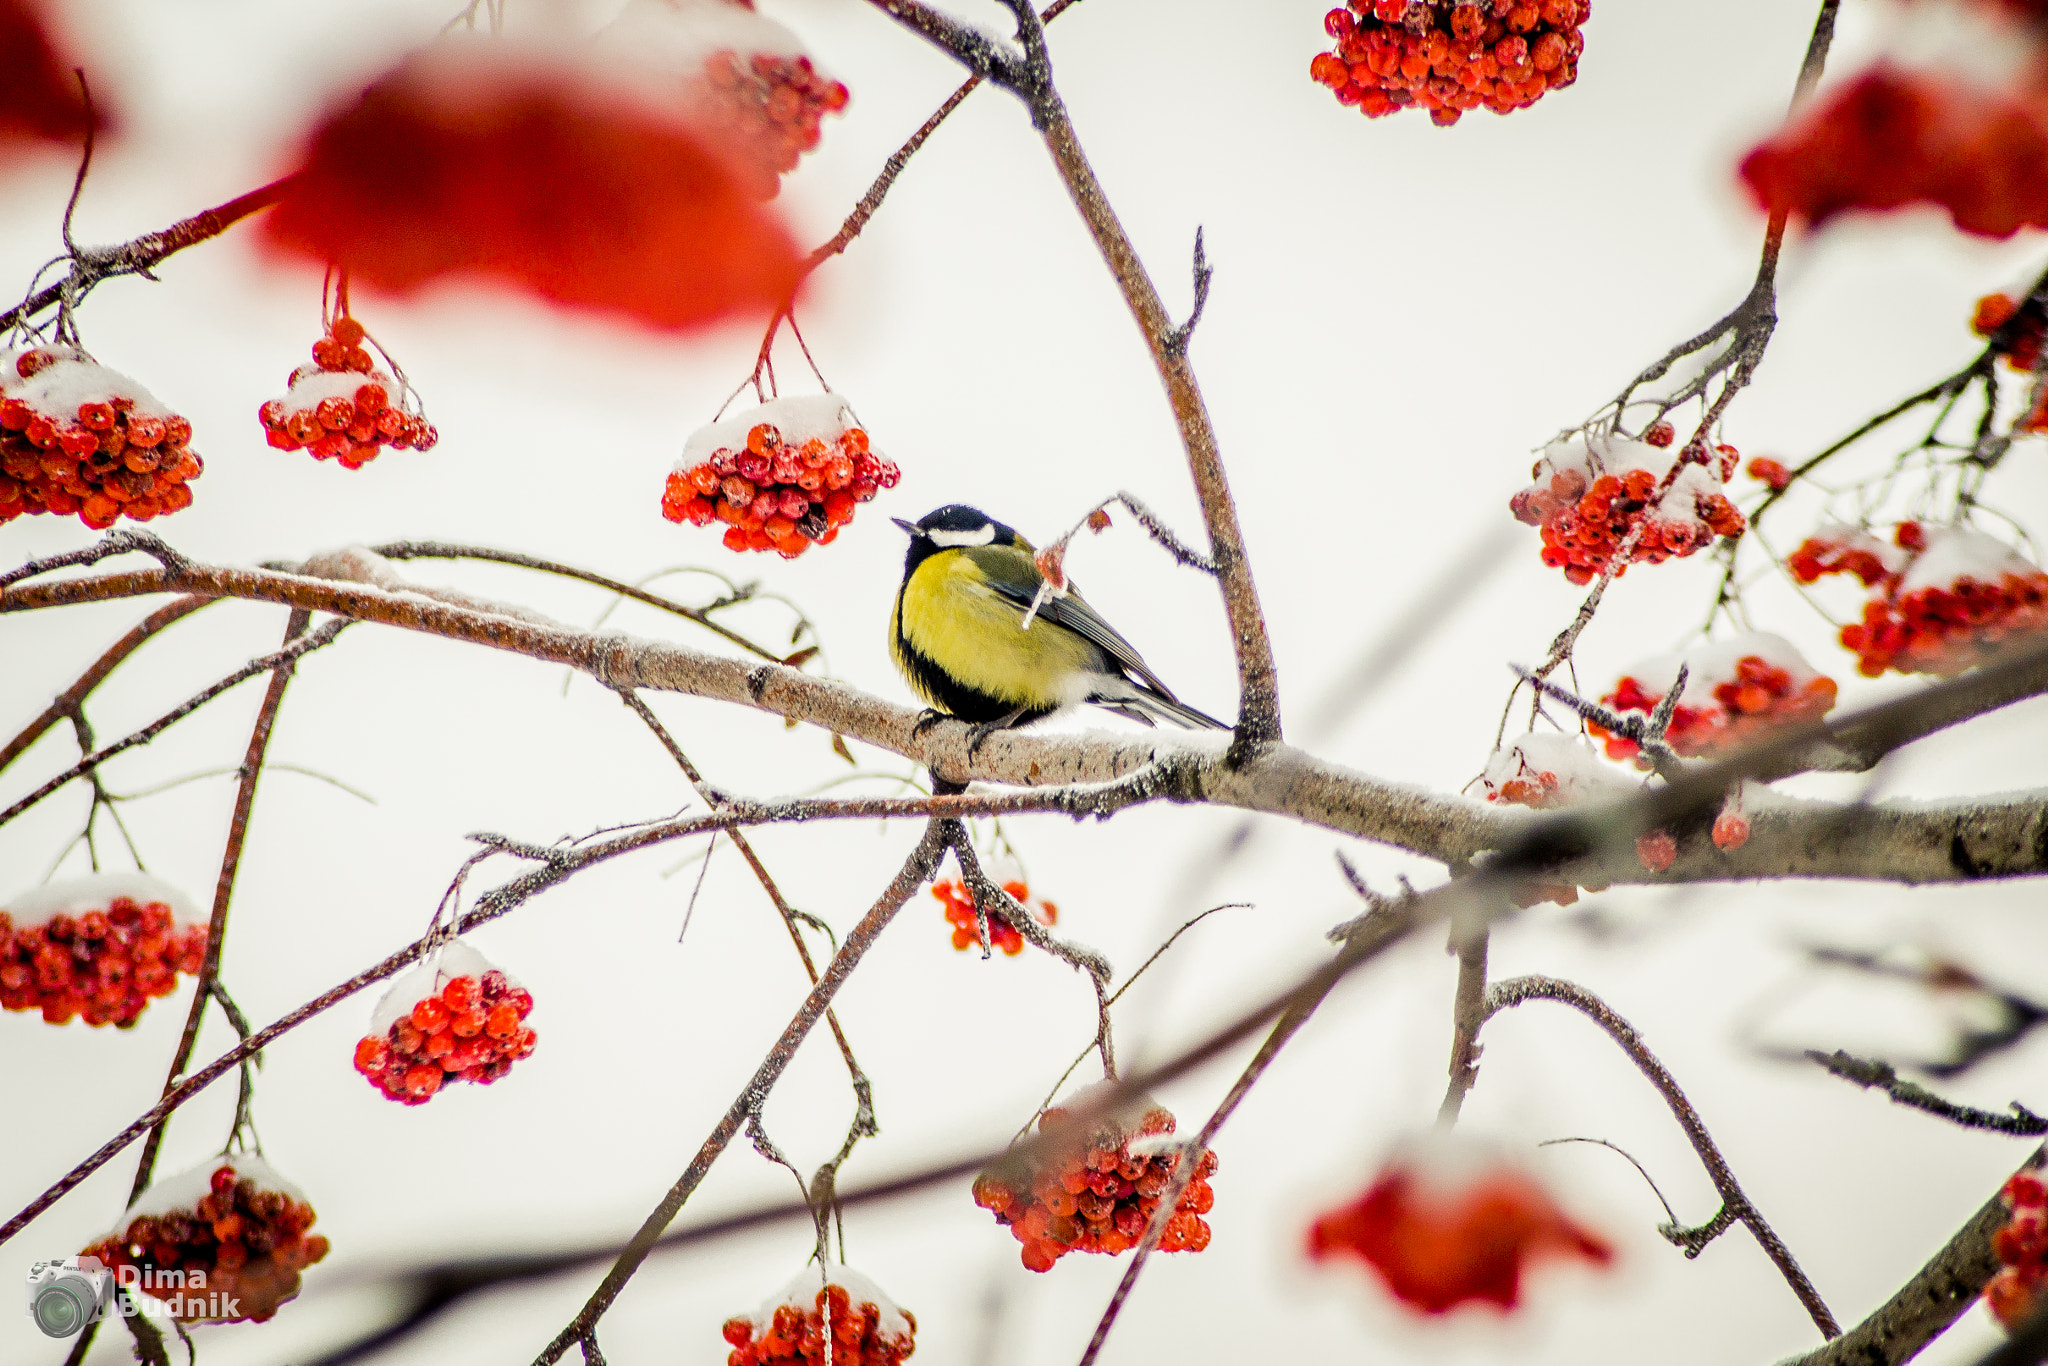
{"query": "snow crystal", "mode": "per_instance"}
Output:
(60, 388)
(454, 959)
(185, 1190)
(1581, 774)
(1958, 552)
(95, 893)
(1712, 663)
(799, 419)
(801, 1294)
(676, 36)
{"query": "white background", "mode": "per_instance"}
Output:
(1400, 314)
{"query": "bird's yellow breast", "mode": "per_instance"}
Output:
(948, 614)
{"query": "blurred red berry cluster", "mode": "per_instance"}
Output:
(1449, 57)
(1945, 599)
(1099, 1195)
(223, 1243)
(769, 107)
(1442, 1233)
(1588, 495)
(1738, 688)
(1769, 472)
(866, 1329)
(2022, 1249)
(783, 477)
(2022, 347)
(40, 98)
(464, 1026)
(959, 904)
(340, 407)
(78, 437)
(90, 950)
(1894, 136)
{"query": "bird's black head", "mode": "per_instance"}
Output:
(952, 526)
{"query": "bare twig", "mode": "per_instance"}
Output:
(1735, 1206)
(2021, 1122)
(68, 702)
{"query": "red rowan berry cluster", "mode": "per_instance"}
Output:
(1099, 1195)
(341, 407)
(456, 1019)
(1448, 56)
(959, 904)
(782, 477)
(1769, 472)
(1734, 690)
(224, 1242)
(97, 949)
(1589, 494)
(2022, 349)
(2022, 1246)
(867, 1329)
(78, 437)
(1946, 599)
(1549, 769)
(1895, 136)
(1448, 1222)
(771, 106)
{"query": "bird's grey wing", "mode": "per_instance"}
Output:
(1013, 577)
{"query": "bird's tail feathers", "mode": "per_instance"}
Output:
(1141, 703)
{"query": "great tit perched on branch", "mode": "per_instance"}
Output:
(959, 634)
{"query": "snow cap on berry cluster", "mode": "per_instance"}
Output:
(1579, 774)
(71, 379)
(453, 959)
(676, 36)
(1592, 456)
(76, 896)
(1955, 553)
(182, 1193)
(1712, 663)
(801, 1294)
(801, 418)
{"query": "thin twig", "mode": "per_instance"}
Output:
(2020, 1122)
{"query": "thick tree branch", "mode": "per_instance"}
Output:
(986, 55)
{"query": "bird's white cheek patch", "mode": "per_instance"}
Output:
(948, 537)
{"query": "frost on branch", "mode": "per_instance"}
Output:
(1945, 599)
(781, 476)
(866, 1327)
(1447, 57)
(77, 437)
(342, 407)
(1589, 492)
(1449, 1222)
(97, 948)
(1097, 1191)
(222, 1243)
(1735, 690)
(40, 100)
(583, 182)
(455, 1018)
(747, 81)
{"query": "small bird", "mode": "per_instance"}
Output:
(959, 635)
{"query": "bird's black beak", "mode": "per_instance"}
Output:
(910, 527)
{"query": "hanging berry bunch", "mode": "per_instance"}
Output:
(1449, 57)
(1099, 1195)
(1735, 689)
(98, 948)
(1549, 769)
(782, 477)
(222, 1243)
(959, 904)
(2022, 1249)
(1946, 598)
(1590, 493)
(748, 82)
(2023, 346)
(455, 1019)
(1448, 1222)
(342, 407)
(866, 1327)
(77, 437)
